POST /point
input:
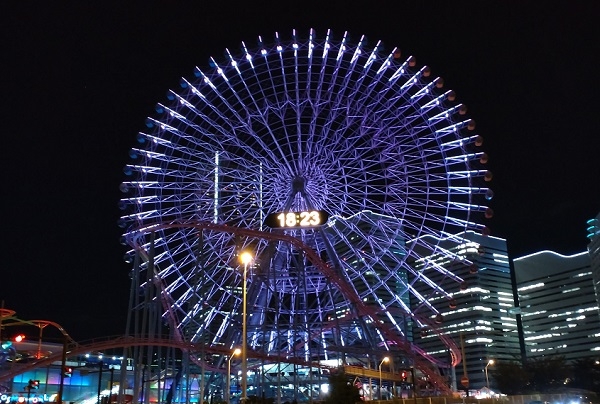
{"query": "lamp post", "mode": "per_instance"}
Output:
(384, 360)
(237, 351)
(101, 366)
(245, 258)
(487, 380)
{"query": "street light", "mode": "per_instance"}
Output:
(384, 360)
(237, 351)
(245, 258)
(487, 380)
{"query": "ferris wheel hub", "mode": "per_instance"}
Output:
(299, 185)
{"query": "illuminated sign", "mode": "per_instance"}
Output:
(10, 398)
(303, 219)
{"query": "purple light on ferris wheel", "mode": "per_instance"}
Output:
(300, 126)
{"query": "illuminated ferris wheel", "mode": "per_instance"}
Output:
(329, 161)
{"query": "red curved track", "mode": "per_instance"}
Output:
(420, 357)
(125, 342)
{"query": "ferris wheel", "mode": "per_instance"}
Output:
(337, 166)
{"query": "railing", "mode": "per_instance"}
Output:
(372, 373)
(521, 399)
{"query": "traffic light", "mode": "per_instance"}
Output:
(33, 384)
(404, 375)
(8, 344)
(68, 371)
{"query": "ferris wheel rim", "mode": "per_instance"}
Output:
(436, 198)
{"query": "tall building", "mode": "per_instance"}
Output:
(593, 234)
(558, 305)
(479, 318)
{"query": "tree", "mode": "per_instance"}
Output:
(341, 390)
(510, 377)
(547, 373)
(586, 374)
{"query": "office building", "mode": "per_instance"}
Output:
(593, 234)
(558, 305)
(480, 315)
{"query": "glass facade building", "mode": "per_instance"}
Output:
(86, 379)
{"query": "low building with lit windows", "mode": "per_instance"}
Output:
(89, 378)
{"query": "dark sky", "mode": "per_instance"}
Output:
(77, 81)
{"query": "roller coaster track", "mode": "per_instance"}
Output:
(420, 358)
(126, 341)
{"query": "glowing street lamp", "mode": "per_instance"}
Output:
(245, 258)
(487, 380)
(384, 360)
(237, 351)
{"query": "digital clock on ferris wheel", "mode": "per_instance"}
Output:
(302, 219)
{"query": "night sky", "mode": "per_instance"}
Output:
(77, 81)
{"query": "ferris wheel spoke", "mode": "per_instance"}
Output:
(305, 125)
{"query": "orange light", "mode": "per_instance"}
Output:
(19, 338)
